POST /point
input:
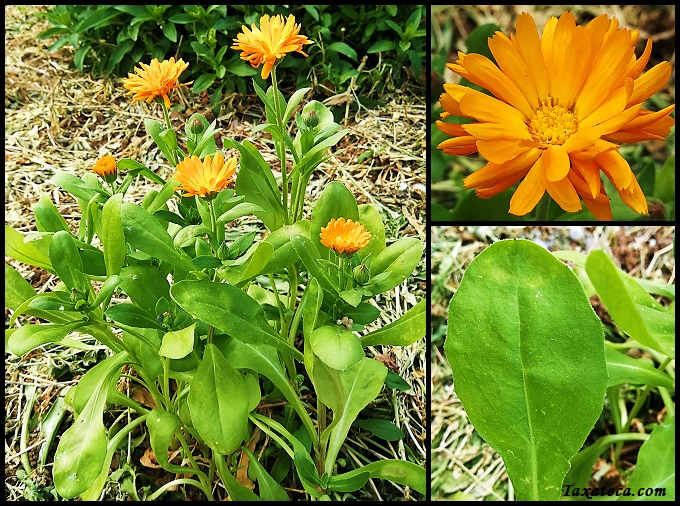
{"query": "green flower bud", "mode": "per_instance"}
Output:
(361, 274)
(312, 119)
(196, 126)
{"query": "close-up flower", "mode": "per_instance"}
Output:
(270, 42)
(205, 178)
(560, 106)
(155, 80)
(105, 166)
(345, 237)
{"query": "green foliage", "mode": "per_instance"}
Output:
(114, 39)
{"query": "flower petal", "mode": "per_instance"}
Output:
(475, 104)
(616, 168)
(529, 191)
(500, 151)
(564, 194)
(556, 163)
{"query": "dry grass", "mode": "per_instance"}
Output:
(464, 466)
(57, 119)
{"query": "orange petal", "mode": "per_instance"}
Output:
(500, 151)
(650, 82)
(491, 172)
(564, 194)
(608, 109)
(487, 75)
(529, 191)
(589, 173)
(556, 163)
(616, 168)
(634, 198)
(494, 131)
(511, 63)
(453, 129)
(584, 138)
(491, 110)
(529, 47)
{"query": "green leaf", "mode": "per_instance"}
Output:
(309, 257)
(382, 46)
(346, 393)
(203, 82)
(67, 263)
(341, 47)
(17, 289)
(623, 369)
(239, 210)
(381, 428)
(406, 330)
(218, 402)
(620, 300)
(24, 252)
(370, 218)
(532, 381)
(99, 18)
(170, 31)
(336, 347)
(155, 129)
(47, 216)
(113, 239)
(144, 232)
(230, 310)
(145, 285)
(284, 254)
(398, 260)
(664, 187)
(264, 360)
(293, 102)
(655, 468)
(398, 471)
(270, 490)
(236, 491)
(249, 265)
(163, 196)
(132, 316)
(118, 53)
(178, 343)
(81, 453)
(27, 337)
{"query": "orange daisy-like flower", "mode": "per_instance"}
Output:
(561, 103)
(205, 178)
(155, 80)
(271, 41)
(344, 237)
(105, 166)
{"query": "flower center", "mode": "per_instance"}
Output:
(552, 123)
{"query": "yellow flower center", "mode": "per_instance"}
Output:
(552, 123)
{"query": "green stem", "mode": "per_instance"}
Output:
(182, 481)
(542, 208)
(321, 420)
(281, 147)
(167, 116)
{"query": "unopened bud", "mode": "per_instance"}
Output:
(361, 274)
(196, 126)
(312, 119)
(223, 251)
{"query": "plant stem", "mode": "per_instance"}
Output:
(321, 420)
(281, 147)
(542, 208)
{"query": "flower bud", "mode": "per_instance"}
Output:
(361, 274)
(312, 119)
(196, 126)
(223, 251)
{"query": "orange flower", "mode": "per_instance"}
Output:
(105, 166)
(205, 178)
(344, 237)
(155, 80)
(560, 104)
(270, 42)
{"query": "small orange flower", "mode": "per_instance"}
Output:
(344, 237)
(155, 80)
(270, 42)
(205, 178)
(105, 166)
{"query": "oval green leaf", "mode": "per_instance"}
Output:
(218, 402)
(527, 354)
(336, 347)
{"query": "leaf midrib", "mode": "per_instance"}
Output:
(532, 445)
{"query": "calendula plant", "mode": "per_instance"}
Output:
(553, 113)
(533, 369)
(213, 321)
